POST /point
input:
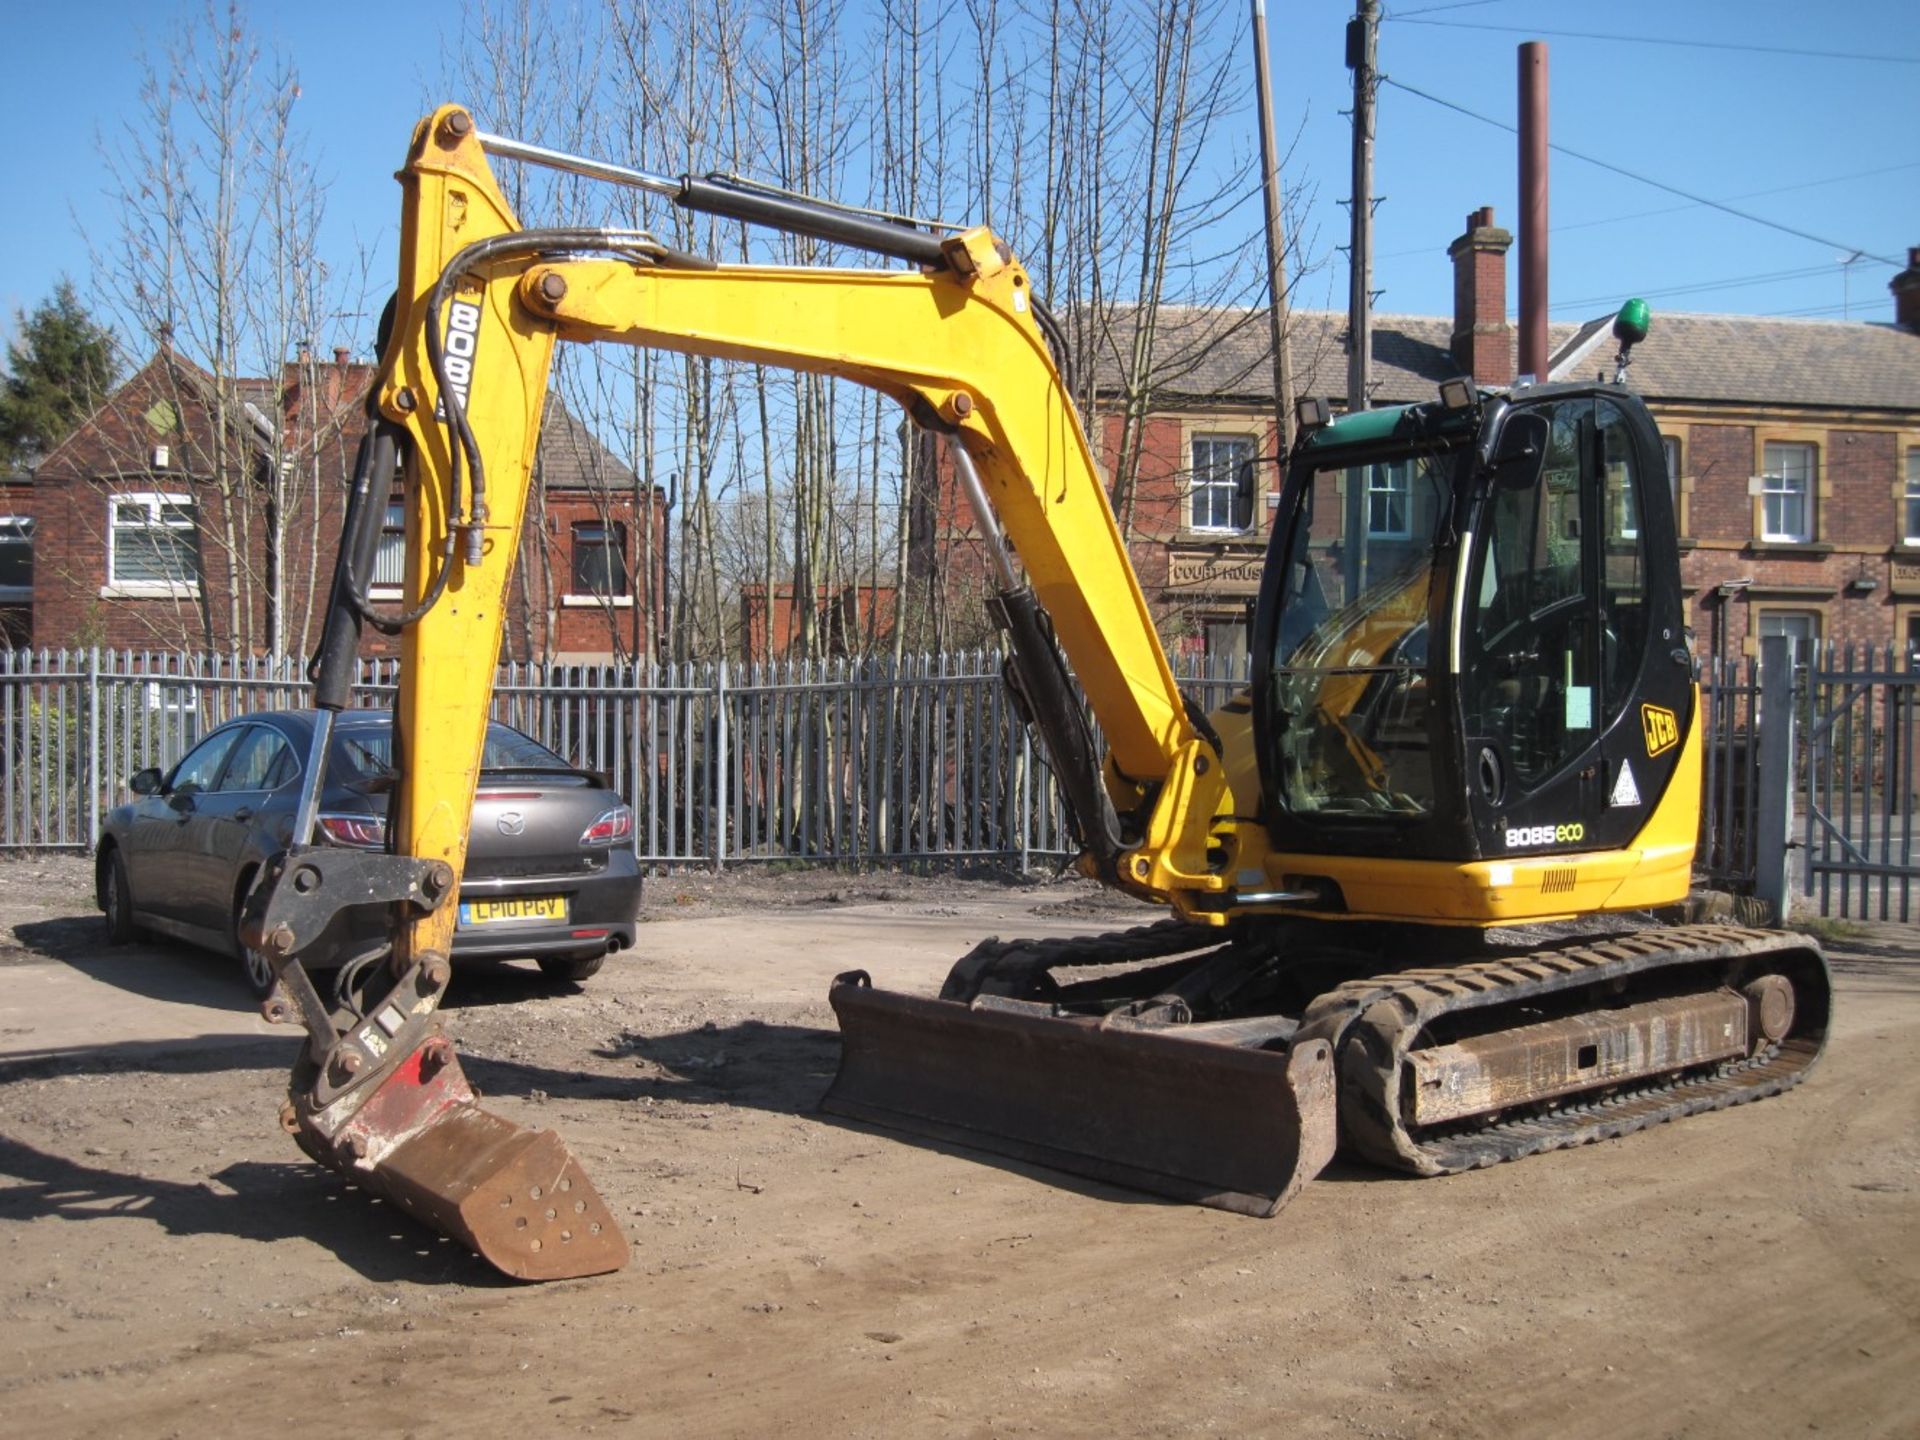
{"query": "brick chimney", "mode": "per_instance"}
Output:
(1906, 292)
(1482, 340)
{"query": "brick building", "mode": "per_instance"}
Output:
(1794, 446)
(150, 524)
(848, 620)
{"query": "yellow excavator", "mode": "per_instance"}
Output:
(1473, 707)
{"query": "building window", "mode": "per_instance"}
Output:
(150, 544)
(1390, 500)
(16, 557)
(1215, 482)
(599, 559)
(1800, 626)
(390, 560)
(1786, 492)
(1912, 526)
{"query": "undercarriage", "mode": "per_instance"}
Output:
(1226, 1073)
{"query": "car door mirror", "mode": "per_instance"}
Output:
(145, 782)
(1522, 454)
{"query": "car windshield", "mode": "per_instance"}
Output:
(366, 752)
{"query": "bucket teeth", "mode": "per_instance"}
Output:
(1234, 1127)
(514, 1196)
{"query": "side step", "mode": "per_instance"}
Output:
(1203, 1121)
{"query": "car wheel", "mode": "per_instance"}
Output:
(562, 967)
(116, 899)
(254, 964)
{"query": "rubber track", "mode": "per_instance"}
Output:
(1373, 1022)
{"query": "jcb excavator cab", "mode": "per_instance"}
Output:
(1466, 617)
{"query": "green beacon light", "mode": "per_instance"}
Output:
(1630, 327)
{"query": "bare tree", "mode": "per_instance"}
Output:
(216, 261)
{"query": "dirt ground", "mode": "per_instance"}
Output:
(171, 1266)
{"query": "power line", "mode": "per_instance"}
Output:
(1744, 195)
(1661, 40)
(1431, 9)
(1736, 282)
(1808, 313)
(1676, 209)
(1647, 180)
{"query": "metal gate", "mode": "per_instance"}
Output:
(1858, 777)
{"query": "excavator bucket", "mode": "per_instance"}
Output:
(1202, 1121)
(514, 1196)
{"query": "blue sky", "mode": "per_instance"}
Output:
(1819, 143)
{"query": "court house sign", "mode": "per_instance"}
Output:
(1228, 574)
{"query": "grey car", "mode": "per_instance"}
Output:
(551, 872)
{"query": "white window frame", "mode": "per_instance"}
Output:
(1629, 502)
(393, 543)
(17, 528)
(1911, 530)
(1210, 477)
(1772, 619)
(1397, 476)
(1776, 486)
(587, 599)
(152, 500)
(1673, 451)
(173, 697)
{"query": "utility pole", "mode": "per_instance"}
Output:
(1277, 322)
(1363, 48)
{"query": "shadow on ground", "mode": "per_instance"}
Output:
(261, 1202)
(1883, 961)
(152, 968)
(183, 974)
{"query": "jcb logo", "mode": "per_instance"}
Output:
(1662, 728)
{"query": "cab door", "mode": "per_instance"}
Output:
(1565, 639)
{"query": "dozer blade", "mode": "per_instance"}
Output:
(514, 1196)
(1211, 1123)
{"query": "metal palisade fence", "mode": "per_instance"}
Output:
(875, 761)
(850, 761)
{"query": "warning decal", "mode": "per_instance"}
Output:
(1625, 792)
